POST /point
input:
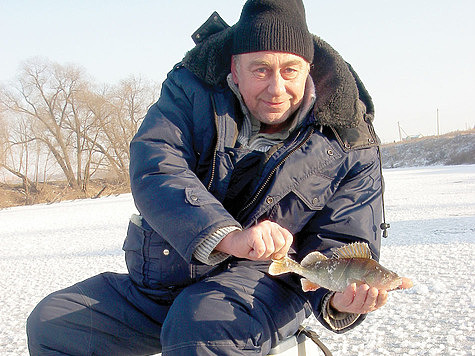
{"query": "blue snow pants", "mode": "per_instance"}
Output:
(238, 311)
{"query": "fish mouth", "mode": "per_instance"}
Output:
(406, 283)
(396, 285)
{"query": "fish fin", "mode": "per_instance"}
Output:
(278, 267)
(308, 286)
(353, 250)
(311, 258)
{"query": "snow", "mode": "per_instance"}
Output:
(431, 240)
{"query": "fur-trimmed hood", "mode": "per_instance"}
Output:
(342, 100)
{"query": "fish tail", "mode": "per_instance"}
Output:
(279, 267)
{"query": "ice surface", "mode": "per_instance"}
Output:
(431, 240)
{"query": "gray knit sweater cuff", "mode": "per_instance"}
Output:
(205, 251)
(335, 319)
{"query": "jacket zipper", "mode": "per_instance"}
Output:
(263, 186)
(213, 168)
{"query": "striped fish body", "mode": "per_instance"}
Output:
(350, 264)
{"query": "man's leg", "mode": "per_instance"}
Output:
(99, 316)
(241, 311)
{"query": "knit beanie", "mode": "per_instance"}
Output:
(273, 25)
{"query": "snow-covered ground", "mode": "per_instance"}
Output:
(431, 240)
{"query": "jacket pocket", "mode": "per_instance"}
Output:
(304, 200)
(133, 248)
(314, 191)
(153, 263)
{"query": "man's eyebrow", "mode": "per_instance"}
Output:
(259, 62)
(293, 62)
(263, 62)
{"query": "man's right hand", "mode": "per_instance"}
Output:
(264, 241)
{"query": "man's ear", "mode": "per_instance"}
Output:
(234, 71)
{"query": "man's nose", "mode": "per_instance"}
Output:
(276, 85)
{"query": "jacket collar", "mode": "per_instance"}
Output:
(342, 100)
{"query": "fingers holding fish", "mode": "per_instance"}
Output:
(269, 239)
(343, 301)
(374, 300)
(349, 300)
(360, 299)
(285, 242)
(365, 299)
(260, 242)
(382, 299)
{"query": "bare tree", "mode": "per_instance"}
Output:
(4, 144)
(15, 155)
(46, 97)
(61, 116)
(119, 112)
(3, 136)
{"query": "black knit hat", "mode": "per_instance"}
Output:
(273, 25)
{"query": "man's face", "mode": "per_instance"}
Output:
(272, 84)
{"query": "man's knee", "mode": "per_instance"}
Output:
(215, 319)
(41, 333)
(60, 324)
(93, 317)
(33, 330)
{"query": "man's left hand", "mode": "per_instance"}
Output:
(359, 300)
(362, 299)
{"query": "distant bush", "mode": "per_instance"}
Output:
(450, 149)
(55, 192)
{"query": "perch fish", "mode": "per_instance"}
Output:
(351, 263)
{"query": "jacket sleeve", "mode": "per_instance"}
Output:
(353, 213)
(164, 156)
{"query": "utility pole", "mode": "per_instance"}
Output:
(438, 123)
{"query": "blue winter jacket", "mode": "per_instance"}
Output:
(323, 184)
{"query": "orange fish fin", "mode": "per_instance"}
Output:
(311, 258)
(278, 267)
(308, 286)
(353, 250)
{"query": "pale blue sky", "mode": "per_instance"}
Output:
(414, 56)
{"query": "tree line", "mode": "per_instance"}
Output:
(56, 121)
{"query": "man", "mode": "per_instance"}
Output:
(260, 145)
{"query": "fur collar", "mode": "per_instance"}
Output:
(342, 100)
